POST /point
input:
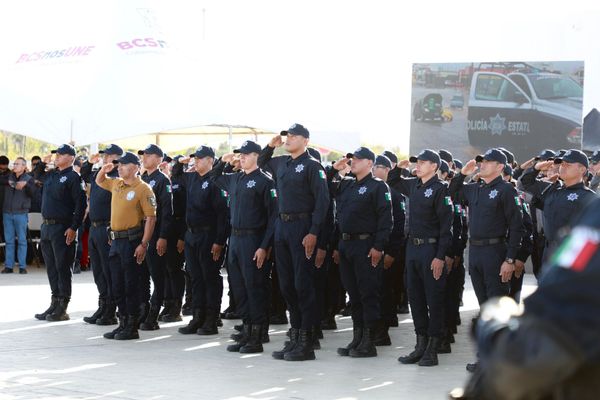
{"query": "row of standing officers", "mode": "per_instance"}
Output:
(263, 212)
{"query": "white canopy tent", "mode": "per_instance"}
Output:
(94, 72)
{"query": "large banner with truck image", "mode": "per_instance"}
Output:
(524, 107)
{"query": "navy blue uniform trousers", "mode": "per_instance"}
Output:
(125, 275)
(207, 283)
(98, 250)
(484, 268)
(58, 258)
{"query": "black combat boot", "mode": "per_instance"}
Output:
(144, 310)
(210, 324)
(53, 303)
(194, 324)
(444, 346)
(174, 312)
(254, 344)
(113, 333)
(186, 308)
(245, 329)
(238, 327)
(328, 324)
(264, 333)
(356, 338)
(151, 322)
(314, 335)
(430, 357)
(288, 346)
(167, 304)
(97, 314)
(109, 317)
(130, 331)
(60, 312)
(365, 348)
(244, 337)
(303, 350)
(381, 335)
(416, 355)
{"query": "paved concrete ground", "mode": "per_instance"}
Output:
(71, 360)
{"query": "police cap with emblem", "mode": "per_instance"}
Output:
(362, 153)
(392, 157)
(446, 156)
(127, 158)
(152, 149)
(297, 130)
(573, 156)
(427, 155)
(64, 149)
(204, 151)
(383, 161)
(248, 147)
(112, 149)
(492, 155)
(545, 155)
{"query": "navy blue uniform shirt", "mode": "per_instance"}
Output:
(63, 197)
(161, 186)
(494, 210)
(100, 199)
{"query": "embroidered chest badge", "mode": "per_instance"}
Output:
(204, 185)
(300, 168)
(362, 190)
(572, 196)
(130, 195)
(63, 179)
(152, 183)
(428, 193)
(493, 194)
(251, 184)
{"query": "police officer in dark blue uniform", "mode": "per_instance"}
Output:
(496, 225)
(551, 349)
(63, 207)
(303, 200)
(206, 217)
(98, 246)
(155, 264)
(595, 170)
(430, 236)
(364, 218)
(253, 211)
(561, 199)
(393, 256)
(175, 278)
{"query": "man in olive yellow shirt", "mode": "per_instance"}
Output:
(132, 202)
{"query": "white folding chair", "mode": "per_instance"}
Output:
(34, 224)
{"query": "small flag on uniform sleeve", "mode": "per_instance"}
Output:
(388, 196)
(577, 249)
(224, 193)
(273, 193)
(517, 201)
(448, 201)
(322, 174)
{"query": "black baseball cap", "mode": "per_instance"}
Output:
(510, 157)
(383, 161)
(65, 149)
(127, 158)
(457, 163)
(507, 170)
(362, 153)
(545, 155)
(167, 158)
(492, 155)
(573, 156)
(248, 147)
(391, 156)
(314, 153)
(560, 153)
(204, 151)
(152, 149)
(296, 129)
(427, 155)
(595, 157)
(446, 156)
(444, 167)
(112, 149)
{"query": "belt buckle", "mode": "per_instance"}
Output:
(418, 241)
(112, 235)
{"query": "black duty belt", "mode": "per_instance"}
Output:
(356, 236)
(246, 232)
(131, 234)
(419, 241)
(97, 224)
(486, 242)
(293, 217)
(55, 221)
(199, 229)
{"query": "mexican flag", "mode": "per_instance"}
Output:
(577, 249)
(273, 193)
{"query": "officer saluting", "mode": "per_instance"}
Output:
(495, 215)
(430, 221)
(63, 207)
(132, 201)
(156, 261)
(303, 198)
(207, 228)
(253, 210)
(560, 199)
(364, 216)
